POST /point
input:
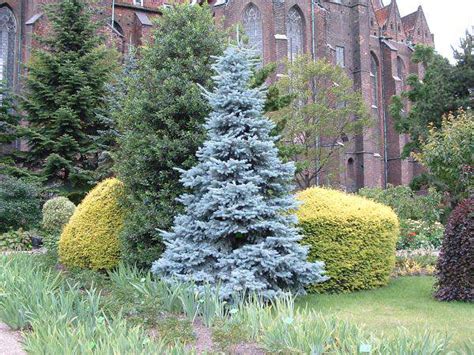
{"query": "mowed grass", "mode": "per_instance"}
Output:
(406, 302)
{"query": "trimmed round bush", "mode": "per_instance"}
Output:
(56, 213)
(354, 236)
(455, 268)
(90, 240)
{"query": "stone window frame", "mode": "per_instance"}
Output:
(295, 26)
(8, 31)
(341, 56)
(252, 22)
(375, 80)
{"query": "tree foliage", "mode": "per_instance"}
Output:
(323, 117)
(63, 91)
(161, 123)
(448, 153)
(9, 119)
(236, 233)
(442, 89)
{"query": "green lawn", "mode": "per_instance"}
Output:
(405, 302)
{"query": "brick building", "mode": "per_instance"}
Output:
(371, 41)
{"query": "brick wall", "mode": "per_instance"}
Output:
(362, 27)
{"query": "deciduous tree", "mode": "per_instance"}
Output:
(323, 117)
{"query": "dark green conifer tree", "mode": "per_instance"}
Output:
(161, 123)
(65, 87)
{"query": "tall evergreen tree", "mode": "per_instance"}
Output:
(64, 88)
(116, 102)
(161, 123)
(237, 230)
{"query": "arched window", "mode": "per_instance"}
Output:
(252, 21)
(374, 75)
(7, 44)
(294, 33)
(351, 185)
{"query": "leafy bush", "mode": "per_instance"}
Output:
(455, 268)
(406, 203)
(90, 239)
(447, 153)
(56, 213)
(354, 236)
(19, 204)
(15, 240)
(419, 234)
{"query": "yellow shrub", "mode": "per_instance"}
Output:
(354, 236)
(90, 239)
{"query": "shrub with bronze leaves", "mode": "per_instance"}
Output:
(90, 239)
(455, 268)
(354, 236)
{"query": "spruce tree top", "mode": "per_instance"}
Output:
(237, 230)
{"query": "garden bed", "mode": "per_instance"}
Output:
(126, 309)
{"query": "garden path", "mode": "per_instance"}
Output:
(9, 342)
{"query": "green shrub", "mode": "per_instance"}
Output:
(15, 240)
(420, 235)
(56, 213)
(406, 203)
(19, 204)
(354, 236)
(90, 239)
(455, 268)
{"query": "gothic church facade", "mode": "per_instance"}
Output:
(372, 41)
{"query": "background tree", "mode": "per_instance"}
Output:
(63, 90)
(9, 121)
(463, 74)
(8, 116)
(323, 117)
(161, 123)
(444, 88)
(236, 232)
(116, 102)
(448, 153)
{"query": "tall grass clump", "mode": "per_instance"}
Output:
(64, 318)
(25, 287)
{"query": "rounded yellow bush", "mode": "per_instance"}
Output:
(354, 236)
(90, 239)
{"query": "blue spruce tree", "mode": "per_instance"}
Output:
(237, 230)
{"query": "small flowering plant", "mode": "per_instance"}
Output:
(420, 235)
